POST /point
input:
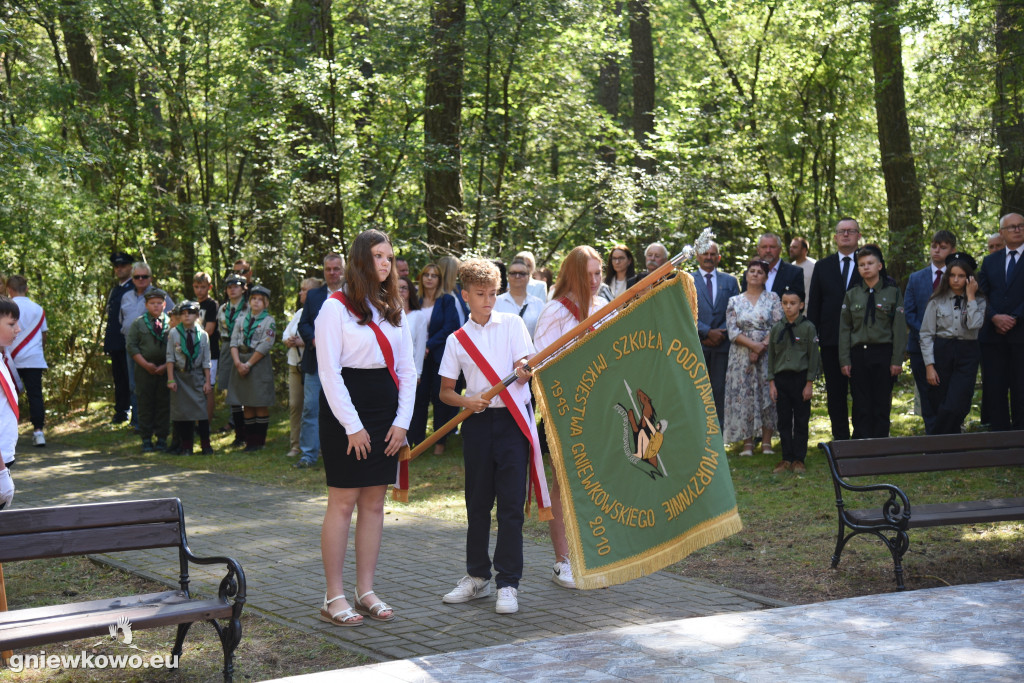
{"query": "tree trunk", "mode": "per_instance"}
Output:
(80, 50)
(609, 87)
(442, 126)
(1007, 111)
(642, 57)
(903, 196)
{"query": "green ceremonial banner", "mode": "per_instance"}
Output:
(636, 442)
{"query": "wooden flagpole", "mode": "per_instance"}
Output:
(554, 347)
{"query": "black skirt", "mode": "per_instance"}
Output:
(375, 398)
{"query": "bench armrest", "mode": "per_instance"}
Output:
(895, 510)
(233, 583)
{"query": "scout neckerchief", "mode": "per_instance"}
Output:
(231, 312)
(162, 335)
(401, 485)
(249, 328)
(191, 354)
(527, 425)
(28, 338)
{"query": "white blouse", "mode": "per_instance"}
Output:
(341, 342)
(555, 320)
(506, 304)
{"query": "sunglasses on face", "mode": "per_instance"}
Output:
(140, 277)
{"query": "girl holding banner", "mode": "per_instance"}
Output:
(364, 352)
(573, 299)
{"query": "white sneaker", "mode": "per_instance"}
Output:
(508, 601)
(468, 588)
(38, 439)
(561, 573)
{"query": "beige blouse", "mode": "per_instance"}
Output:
(942, 319)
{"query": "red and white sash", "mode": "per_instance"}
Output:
(14, 354)
(401, 485)
(571, 306)
(12, 399)
(523, 415)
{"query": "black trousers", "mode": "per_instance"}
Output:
(920, 373)
(956, 362)
(122, 390)
(717, 364)
(837, 388)
(32, 379)
(496, 456)
(1002, 380)
(794, 414)
(871, 386)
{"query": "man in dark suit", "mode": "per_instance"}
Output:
(113, 339)
(781, 275)
(832, 276)
(1001, 277)
(919, 289)
(713, 291)
(309, 433)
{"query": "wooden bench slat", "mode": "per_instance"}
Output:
(866, 448)
(34, 546)
(41, 628)
(24, 520)
(929, 462)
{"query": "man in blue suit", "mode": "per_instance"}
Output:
(309, 433)
(781, 275)
(1001, 277)
(919, 289)
(713, 291)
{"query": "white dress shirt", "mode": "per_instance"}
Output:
(418, 323)
(771, 276)
(341, 342)
(502, 341)
(506, 304)
(8, 421)
(555, 320)
(31, 355)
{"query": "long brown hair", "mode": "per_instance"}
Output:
(573, 280)
(362, 283)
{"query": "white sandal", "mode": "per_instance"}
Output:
(374, 610)
(345, 617)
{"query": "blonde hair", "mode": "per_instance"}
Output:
(478, 271)
(573, 281)
(528, 257)
(448, 266)
(311, 283)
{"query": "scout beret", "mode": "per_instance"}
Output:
(155, 293)
(259, 289)
(188, 306)
(962, 256)
(119, 258)
(234, 280)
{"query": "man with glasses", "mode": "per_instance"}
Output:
(1001, 278)
(113, 339)
(133, 304)
(832, 276)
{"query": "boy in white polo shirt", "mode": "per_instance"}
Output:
(496, 452)
(26, 353)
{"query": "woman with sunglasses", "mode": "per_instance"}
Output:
(517, 300)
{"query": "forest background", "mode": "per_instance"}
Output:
(194, 132)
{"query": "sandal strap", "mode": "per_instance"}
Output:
(328, 601)
(377, 607)
(360, 597)
(344, 614)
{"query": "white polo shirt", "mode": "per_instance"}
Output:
(503, 341)
(31, 355)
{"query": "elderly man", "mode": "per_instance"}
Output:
(113, 338)
(781, 275)
(133, 304)
(798, 249)
(995, 243)
(309, 433)
(832, 276)
(713, 291)
(654, 255)
(1001, 277)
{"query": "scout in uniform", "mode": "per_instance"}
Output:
(949, 343)
(146, 343)
(188, 377)
(872, 336)
(792, 366)
(231, 311)
(252, 376)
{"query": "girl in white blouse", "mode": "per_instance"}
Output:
(364, 352)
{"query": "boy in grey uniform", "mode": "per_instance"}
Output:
(188, 377)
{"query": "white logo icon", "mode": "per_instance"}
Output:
(125, 627)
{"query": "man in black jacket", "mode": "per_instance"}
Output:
(309, 433)
(113, 339)
(832, 276)
(781, 275)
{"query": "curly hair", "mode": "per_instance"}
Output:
(479, 272)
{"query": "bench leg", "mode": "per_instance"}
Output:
(179, 641)
(230, 635)
(898, 546)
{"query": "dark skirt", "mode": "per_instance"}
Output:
(375, 398)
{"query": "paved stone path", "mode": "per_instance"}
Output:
(275, 535)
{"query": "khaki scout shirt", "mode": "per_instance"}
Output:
(140, 340)
(788, 355)
(888, 327)
(942, 319)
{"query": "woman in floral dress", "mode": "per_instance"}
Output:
(748, 319)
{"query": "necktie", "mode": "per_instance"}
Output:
(711, 290)
(1011, 264)
(869, 312)
(158, 325)
(938, 278)
(846, 271)
(190, 343)
(957, 301)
